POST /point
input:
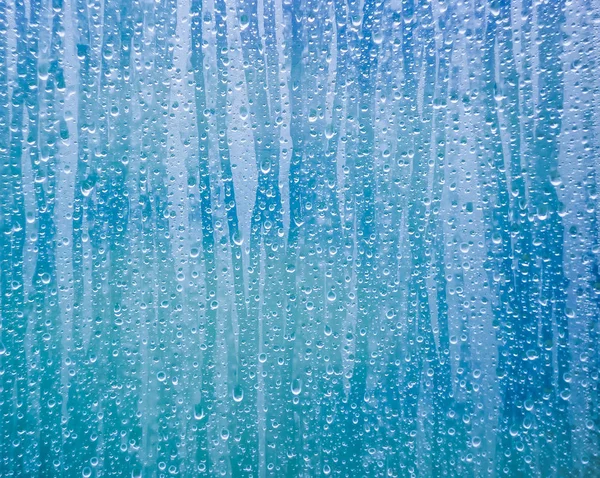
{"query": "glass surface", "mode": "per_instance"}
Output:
(297, 238)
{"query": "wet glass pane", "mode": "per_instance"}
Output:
(299, 238)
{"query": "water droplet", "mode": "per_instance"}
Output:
(199, 412)
(296, 386)
(238, 239)
(265, 166)
(244, 22)
(238, 393)
(86, 188)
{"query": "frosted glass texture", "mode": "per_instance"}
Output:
(299, 238)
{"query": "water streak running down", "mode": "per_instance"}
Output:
(299, 238)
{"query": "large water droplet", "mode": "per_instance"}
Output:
(296, 386)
